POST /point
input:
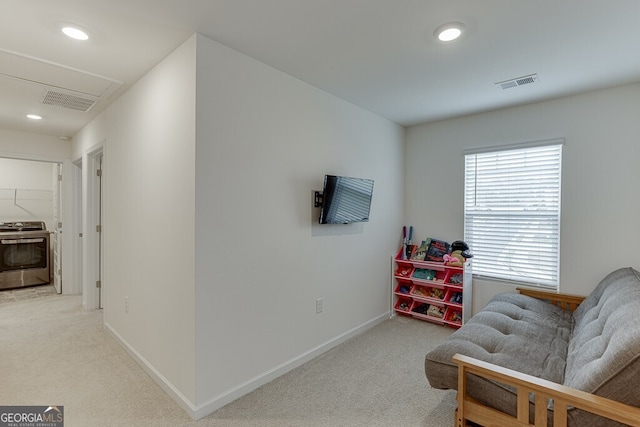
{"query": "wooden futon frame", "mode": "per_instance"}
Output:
(470, 412)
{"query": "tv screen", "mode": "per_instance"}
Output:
(345, 200)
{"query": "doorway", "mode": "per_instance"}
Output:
(39, 189)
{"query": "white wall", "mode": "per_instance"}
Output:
(148, 138)
(26, 191)
(264, 142)
(209, 227)
(27, 145)
(600, 176)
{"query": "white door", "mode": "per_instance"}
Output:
(92, 223)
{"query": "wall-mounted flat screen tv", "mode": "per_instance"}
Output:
(345, 200)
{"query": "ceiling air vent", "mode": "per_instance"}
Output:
(66, 100)
(519, 81)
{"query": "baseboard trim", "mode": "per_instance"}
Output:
(223, 399)
(160, 379)
(217, 402)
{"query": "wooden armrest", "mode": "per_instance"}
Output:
(543, 390)
(564, 301)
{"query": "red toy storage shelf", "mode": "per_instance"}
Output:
(423, 284)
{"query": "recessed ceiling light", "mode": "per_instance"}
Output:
(449, 32)
(34, 117)
(75, 33)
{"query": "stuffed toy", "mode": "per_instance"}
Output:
(455, 259)
(459, 253)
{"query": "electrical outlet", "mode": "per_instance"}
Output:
(319, 305)
(126, 304)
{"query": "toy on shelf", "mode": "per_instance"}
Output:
(404, 271)
(419, 291)
(456, 279)
(421, 251)
(456, 297)
(421, 308)
(453, 260)
(458, 253)
(436, 250)
(403, 254)
(407, 243)
(404, 306)
(455, 317)
(436, 293)
(435, 311)
(404, 289)
(424, 274)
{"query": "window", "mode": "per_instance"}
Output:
(512, 213)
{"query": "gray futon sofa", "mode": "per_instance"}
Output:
(595, 348)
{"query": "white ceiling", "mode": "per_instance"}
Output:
(378, 54)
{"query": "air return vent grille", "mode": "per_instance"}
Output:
(66, 100)
(518, 81)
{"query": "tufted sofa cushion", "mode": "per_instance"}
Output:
(514, 331)
(604, 351)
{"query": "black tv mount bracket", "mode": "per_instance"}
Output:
(319, 197)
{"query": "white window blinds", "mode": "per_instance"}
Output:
(512, 213)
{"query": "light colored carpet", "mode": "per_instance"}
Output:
(20, 294)
(54, 353)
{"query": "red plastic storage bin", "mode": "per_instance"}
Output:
(403, 305)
